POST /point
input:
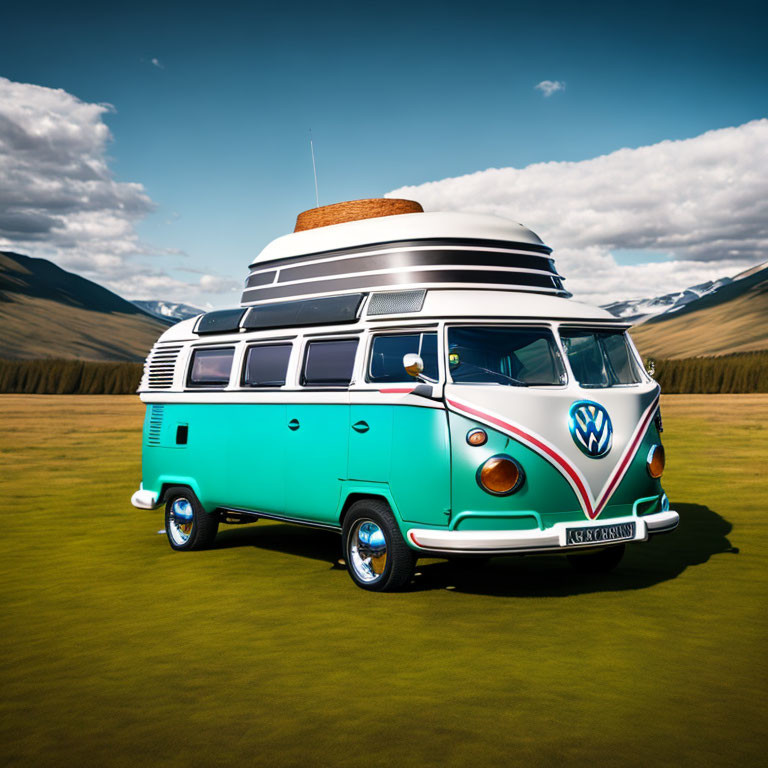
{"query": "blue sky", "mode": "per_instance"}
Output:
(216, 129)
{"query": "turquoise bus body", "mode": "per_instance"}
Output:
(241, 456)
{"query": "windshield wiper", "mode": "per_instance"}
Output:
(515, 382)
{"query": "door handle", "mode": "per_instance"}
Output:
(293, 424)
(361, 426)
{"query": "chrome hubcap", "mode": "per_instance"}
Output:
(368, 551)
(180, 523)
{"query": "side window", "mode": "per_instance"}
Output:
(210, 367)
(329, 363)
(386, 363)
(266, 365)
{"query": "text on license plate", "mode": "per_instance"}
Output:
(596, 534)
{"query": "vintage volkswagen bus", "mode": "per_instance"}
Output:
(421, 383)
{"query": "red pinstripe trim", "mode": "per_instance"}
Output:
(627, 460)
(564, 464)
(397, 390)
(556, 457)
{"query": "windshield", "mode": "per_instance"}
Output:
(600, 358)
(518, 357)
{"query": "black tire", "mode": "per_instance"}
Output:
(199, 533)
(400, 559)
(602, 561)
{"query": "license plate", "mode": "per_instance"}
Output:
(599, 534)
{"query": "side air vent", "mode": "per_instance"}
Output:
(155, 424)
(158, 370)
(395, 302)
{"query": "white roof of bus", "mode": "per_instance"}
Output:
(405, 226)
(508, 304)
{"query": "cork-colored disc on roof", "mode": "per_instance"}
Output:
(354, 210)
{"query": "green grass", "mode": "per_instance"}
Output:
(119, 652)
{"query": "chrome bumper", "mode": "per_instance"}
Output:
(549, 540)
(144, 499)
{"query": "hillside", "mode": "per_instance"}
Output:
(47, 312)
(734, 318)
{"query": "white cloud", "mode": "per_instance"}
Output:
(703, 201)
(59, 200)
(218, 284)
(548, 87)
(156, 63)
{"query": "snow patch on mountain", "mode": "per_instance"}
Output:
(639, 310)
(169, 310)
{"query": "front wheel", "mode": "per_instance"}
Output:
(187, 525)
(377, 556)
(602, 561)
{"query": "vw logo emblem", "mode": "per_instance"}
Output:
(591, 428)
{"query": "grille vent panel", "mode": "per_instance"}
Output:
(158, 370)
(155, 424)
(396, 301)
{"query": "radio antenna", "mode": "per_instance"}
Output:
(314, 168)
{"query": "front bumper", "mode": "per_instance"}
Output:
(550, 540)
(144, 499)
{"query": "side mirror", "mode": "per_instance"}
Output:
(650, 367)
(413, 364)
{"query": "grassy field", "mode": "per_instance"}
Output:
(119, 652)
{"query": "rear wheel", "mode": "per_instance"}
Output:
(602, 561)
(377, 556)
(187, 525)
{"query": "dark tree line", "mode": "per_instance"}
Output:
(68, 377)
(738, 373)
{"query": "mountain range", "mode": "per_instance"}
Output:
(169, 310)
(637, 310)
(732, 317)
(47, 312)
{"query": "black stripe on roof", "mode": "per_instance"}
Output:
(470, 242)
(374, 281)
(408, 259)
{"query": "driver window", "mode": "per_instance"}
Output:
(387, 352)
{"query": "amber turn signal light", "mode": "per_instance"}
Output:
(656, 461)
(477, 437)
(500, 475)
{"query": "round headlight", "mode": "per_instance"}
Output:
(656, 460)
(500, 475)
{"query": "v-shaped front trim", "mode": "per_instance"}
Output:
(592, 504)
